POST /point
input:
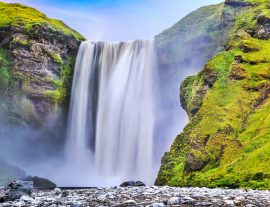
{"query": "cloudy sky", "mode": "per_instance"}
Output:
(114, 20)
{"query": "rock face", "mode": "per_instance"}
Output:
(226, 141)
(183, 50)
(38, 55)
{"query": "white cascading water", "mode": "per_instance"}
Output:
(111, 118)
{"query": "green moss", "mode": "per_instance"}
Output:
(27, 17)
(5, 65)
(63, 85)
(56, 95)
(56, 57)
(21, 41)
(230, 135)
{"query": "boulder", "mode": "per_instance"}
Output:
(43, 183)
(132, 184)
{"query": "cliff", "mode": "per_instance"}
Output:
(226, 142)
(37, 56)
(182, 50)
(193, 40)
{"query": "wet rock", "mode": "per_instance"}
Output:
(64, 194)
(43, 183)
(132, 184)
(57, 191)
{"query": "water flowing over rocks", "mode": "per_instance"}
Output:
(143, 196)
(114, 89)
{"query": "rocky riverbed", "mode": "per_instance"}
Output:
(142, 196)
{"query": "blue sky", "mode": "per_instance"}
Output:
(117, 20)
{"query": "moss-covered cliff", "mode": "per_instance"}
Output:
(37, 55)
(196, 38)
(227, 140)
(182, 50)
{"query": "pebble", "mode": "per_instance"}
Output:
(158, 205)
(130, 202)
(57, 191)
(174, 201)
(26, 198)
(143, 196)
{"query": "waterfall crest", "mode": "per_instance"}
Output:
(111, 118)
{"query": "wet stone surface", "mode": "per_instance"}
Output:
(143, 196)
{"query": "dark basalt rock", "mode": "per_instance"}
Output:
(263, 32)
(238, 59)
(132, 184)
(43, 183)
(194, 164)
(262, 19)
(210, 77)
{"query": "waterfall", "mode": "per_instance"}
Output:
(112, 112)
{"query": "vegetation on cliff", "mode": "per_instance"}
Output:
(194, 39)
(37, 57)
(18, 15)
(226, 143)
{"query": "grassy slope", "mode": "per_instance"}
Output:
(230, 134)
(27, 17)
(183, 42)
